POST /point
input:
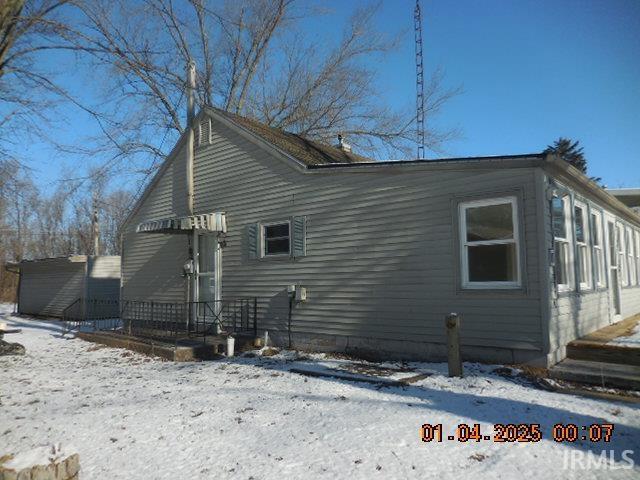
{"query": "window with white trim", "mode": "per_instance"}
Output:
(276, 239)
(631, 258)
(561, 242)
(583, 257)
(489, 243)
(622, 260)
(598, 253)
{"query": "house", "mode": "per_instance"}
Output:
(343, 253)
(48, 286)
(629, 196)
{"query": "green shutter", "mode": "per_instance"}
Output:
(252, 240)
(299, 234)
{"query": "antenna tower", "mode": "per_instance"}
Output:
(417, 25)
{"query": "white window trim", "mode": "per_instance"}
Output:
(567, 243)
(631, 261)
(585, 284)
(598, 260)
(464, 252)
(637, 242)
(623, 266)
(263, 243)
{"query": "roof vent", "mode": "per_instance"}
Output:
(342, 145)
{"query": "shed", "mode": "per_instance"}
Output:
(47, 286)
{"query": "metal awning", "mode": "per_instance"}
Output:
(210, 222)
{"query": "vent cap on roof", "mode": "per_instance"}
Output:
(342, 145)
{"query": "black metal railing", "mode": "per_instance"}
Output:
(92, 314)
(171, 321)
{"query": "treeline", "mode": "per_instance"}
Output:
(36, 224)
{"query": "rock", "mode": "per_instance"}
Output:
(41, 463)
(7, 348)
(269, 352)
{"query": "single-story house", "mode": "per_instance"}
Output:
(629, 196)
(525, 248)
(48, 286)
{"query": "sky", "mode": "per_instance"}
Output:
(531, 71)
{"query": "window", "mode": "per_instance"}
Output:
(582, 246)
(622, 261)
(561, 231)
(489, 241)
(598, 254)
(631, 260)
(276, 239)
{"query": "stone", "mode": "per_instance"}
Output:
(7, 348)
(72, 465)
(32, 465)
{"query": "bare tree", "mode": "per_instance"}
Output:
(29, 30)
(255, 60)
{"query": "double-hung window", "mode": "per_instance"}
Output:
(598, 252)
(276, 239)
(489, 243)
(622, 260)
(561, 241)
(631, 260)
(582, 245)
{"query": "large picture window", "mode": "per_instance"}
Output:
(276, 239)
(561, 237)
(489, 242)
(582, 245)
(598, 252)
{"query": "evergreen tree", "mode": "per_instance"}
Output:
(570, 152)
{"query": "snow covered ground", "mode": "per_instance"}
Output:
(632, 340)
(136, 417)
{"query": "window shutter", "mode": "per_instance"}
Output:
(299, 236)
(252, 240)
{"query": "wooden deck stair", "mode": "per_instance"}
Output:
(591, 359)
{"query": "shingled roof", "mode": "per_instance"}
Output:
(307, 151)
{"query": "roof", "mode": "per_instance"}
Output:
(307, 151)
(629, 196)
(15, 266)
(315, 157)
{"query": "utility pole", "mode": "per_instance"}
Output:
(417, 26)
(95, 228)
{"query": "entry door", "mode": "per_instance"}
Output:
(207, 281)
(613, 241)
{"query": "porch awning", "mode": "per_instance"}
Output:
(210, 222)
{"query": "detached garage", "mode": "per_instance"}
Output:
(48, 286)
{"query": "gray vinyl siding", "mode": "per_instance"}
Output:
(630, 300)
(577, 313)
(381, 247)
(47, 287)
(103, 277)
(152, 263)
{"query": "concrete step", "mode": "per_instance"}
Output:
(610, 375)
(601, 352)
